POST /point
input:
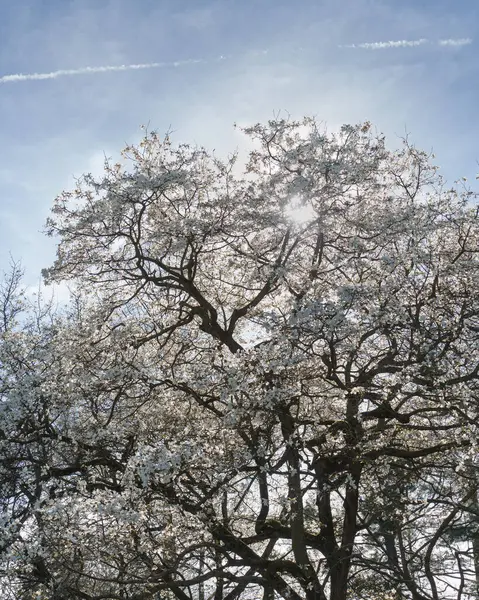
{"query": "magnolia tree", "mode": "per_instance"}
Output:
(266, 385)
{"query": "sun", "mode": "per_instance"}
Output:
(299, 211)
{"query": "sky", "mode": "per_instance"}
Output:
(79, 78)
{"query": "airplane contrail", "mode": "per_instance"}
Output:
(455, 42)
(389, 44)
(17, 77)
(408, 43)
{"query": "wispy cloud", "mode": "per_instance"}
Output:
(18, 77)
(408, 43)
(453, 42)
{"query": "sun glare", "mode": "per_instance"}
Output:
(299, 212)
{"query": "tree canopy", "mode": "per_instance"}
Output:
(243, 400)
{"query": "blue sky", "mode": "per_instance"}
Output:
(256, 57)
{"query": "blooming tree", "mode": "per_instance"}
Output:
(242, 404)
